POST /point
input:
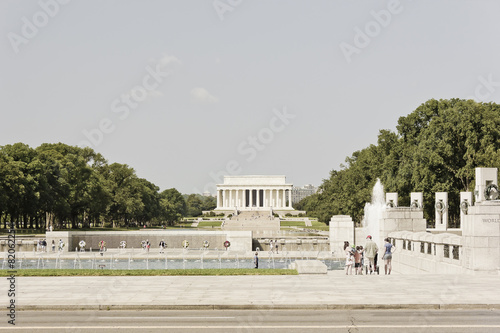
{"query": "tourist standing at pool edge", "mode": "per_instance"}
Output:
(162, 246)
(388, 256)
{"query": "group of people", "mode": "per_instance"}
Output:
(146, 245)
(273, 244)
(367, 257)
(42, 245)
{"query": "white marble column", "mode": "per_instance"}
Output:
(265, 199)
(258, 197)
(231, 203)
(283, 204)
(290, 198)
(250, 192)
(237, 200)
(218, 199)
(223, 198)
(244, 197)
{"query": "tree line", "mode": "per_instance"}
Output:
(68, 186)
(436, 148)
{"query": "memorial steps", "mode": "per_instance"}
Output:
(252, 221)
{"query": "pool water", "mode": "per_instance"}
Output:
(110, 263)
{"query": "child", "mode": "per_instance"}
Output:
(357, 261)
(362, 251)
(348, 258)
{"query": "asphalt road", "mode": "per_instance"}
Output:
(427, 321)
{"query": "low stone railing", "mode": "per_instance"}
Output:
(423, 252)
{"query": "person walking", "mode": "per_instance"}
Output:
(256, 260)
(162, 246)
(389, 248)
(371, 250)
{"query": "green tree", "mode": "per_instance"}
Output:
(125, 192)
(193, 204)
(437, 147)
(208, 203)
(173, 205)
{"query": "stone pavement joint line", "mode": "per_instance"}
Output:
(332, 291)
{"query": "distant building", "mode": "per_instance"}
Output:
(299, 193)
(254, 193)
(207, 194)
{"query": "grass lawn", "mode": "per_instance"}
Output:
(209, 224)
(184, 224)
(149, 272)
(292, 224)
(319, 225)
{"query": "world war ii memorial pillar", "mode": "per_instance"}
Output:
(441, 211)
(481, 226)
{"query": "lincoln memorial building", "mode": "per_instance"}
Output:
(254, 193)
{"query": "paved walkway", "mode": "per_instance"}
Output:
(332, 291)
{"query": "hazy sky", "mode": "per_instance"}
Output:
(186, 91)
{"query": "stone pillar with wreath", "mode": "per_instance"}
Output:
(441, 211)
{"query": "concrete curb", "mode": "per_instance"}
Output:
(104, 307)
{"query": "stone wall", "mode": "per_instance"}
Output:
(401, 219)
(341, 229)
(422, 252)
(294, 243)
(481, 236)
(240, 240)
(22, 244)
